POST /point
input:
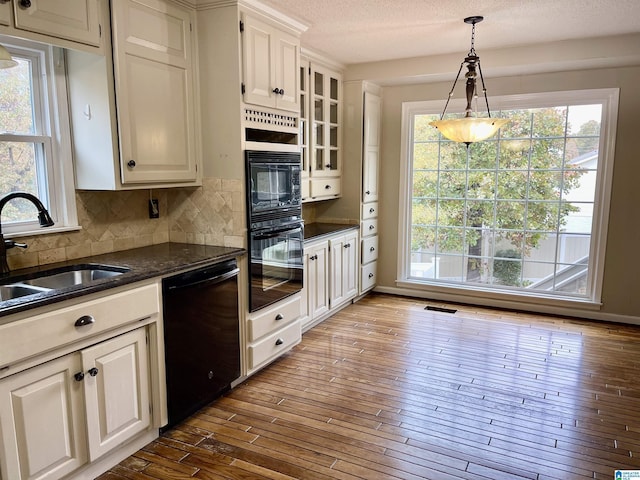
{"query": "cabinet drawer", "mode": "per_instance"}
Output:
(305, 188)
(325, 187)
(368, 279)
(369, 210)
(369, 227)
(369, 249)
(273, 318)
(46, 331)
(274, 345)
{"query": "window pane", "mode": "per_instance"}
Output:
(16, 108)
(18, 173)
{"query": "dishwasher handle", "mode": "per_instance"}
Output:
(210, 280)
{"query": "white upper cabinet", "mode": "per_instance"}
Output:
(75, 24)
(271, 62)
(135, 125)
(154, 91)
(75, 20)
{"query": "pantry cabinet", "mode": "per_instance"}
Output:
(271, 59)
(136, 125)
(77, 21)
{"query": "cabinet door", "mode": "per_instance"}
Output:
(351, 262)
(5, 13)
(153, 63)
(257, 56)
(318, 285)
(325, 124)
(42, 421)
(287, 64)
(371, 143)
(76, 20)
(116, 391)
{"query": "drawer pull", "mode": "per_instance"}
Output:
(347, 245)
(279, 316)
(327, 187)
(371, 227)
(372, 249)
(79, 376)
(93, 371)
(371, 275)
(368, 192)
(279, 342)
(84, 320)
(371, 210)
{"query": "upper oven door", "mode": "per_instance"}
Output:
(273, 180)
(276, 264)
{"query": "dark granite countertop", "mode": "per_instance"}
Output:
(144, 263)
(313, 231)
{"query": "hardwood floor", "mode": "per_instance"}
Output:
(385, 389)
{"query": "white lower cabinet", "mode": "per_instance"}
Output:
(331, 275)
(57, 416)
(78, 380)
(273, 331)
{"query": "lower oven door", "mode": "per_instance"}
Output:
(276, 264)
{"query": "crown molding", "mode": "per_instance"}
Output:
(296, 25)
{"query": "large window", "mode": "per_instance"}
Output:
(35, 153)
(523, 212)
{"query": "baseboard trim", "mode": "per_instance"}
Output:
(511, 305)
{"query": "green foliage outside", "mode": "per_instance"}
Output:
(507, 272)
(17, 159)
(503, 186)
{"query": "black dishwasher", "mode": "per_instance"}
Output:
(202, 338)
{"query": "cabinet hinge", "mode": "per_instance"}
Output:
(190, 27)
(100, 30)
(309, 70)
(241, 26)
(242, 89)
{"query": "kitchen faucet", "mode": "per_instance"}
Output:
(43, 217)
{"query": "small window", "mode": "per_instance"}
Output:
(35, 153)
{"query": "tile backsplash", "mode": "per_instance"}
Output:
(212, 214)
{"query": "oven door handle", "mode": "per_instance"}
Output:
(275, 233)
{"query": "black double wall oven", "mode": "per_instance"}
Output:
(275, 226)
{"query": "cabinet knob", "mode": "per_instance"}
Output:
(327, 187)
(279, 316)
(371, 210)
(84, 321)
(25, 3)
(347, 245)
(371, 227)
(372, 249)
(328, 165)
(278, 91)
(371, 275)
(93, 371)
(79, 376)
(313, 257)
(279, 341)
(131, 163)
(368, 192)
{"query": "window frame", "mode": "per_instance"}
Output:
(609, 98)
(53, 131)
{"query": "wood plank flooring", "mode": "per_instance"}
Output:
(385, 389)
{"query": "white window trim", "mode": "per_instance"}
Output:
(54, 116)
(609, 97)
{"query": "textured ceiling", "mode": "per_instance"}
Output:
(357, 31)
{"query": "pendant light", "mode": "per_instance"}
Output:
(469, 128)
(5, 58)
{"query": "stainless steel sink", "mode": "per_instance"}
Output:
(75, 275)
(56, 279)
(9, 292)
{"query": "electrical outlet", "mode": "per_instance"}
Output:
(154, 211)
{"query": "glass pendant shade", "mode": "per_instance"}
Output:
(469, 129)
(5, 58)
